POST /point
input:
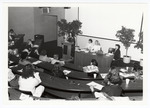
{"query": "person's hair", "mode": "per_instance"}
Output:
(56, 55)
(28, 71)
(23, 55)
(94, 62)
(118, 46)
(43, 53)
(56, 68)
(98, 43)
(113, 76)
(110, 50)
(11, 30)
(15, 50)
(91, 40)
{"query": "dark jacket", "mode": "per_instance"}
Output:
(117, 54)
(112, 90)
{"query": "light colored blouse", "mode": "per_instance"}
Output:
(96, 48)
(30, 83)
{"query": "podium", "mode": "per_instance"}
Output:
(67, 49)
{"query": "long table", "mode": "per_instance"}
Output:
(84, 59)
(63, 88)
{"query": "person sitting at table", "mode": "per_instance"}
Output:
(23, 59)
(89, 46)
(57, 70)
(30, 81)
(14, 56)
(11, 35)
(117, 52)
(96, 47)
(34, 53)
(43, 56)
(29, 45)
(92, 68)
(12, 79)
(112, 88)
(114, 71)
(56, 59)
(110, 51)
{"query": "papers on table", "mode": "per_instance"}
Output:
(95, 85)
(123, 70)
(36, 62)
(25, 97)
(21, 70)
(66, 72)
(119, 98)
(126, 75)
(91, 68)
(105, 97)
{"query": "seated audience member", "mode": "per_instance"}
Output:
(96, 47)
(57, 71)
(110, 51)
(112, 72)
(117, 52)
(43, 56)
(23, 58)
(92, 68)
(29, 45)
(14, 56)
(112, 88)
(56, 59)
(30, 81)
(89, 46)
(11, 35)
(34, 53)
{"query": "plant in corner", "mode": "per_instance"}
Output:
(126, 36)
(139, 44)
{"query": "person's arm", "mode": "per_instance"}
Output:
(36, 74)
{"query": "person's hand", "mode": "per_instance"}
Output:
(92, 88)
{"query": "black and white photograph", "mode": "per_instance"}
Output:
(76, 52)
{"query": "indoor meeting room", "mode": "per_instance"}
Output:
(82, 52)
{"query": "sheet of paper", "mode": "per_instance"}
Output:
(127, 75)
(119, 98)
(36, 62)
(66, 72)
(95, 85)
(24, 96)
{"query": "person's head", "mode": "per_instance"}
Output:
(43, 53)
(23, 55)
(117, 46)
(28, 71)
(55, 56)
(115, 79)
(90, 41)
(114, 70)
(94, 62)
(29, 41)
(97, 42)
(113, 76)
(56, 67)
(11, 31)
(15, 51)
(110, 50)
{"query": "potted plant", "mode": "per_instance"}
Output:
(139, 44)
(69, 29)
(63, 28)
(126, 36)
